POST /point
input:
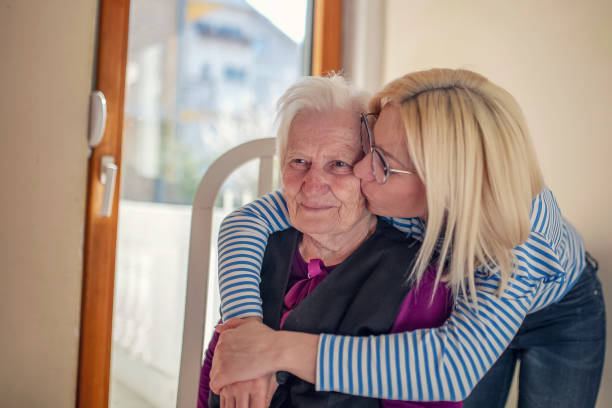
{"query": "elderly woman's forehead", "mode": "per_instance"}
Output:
(329, 145)
(305, 114)
(329, 129)
(341, 118)
(325, 133)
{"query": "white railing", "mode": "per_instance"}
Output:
(150, 279)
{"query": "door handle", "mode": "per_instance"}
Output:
(97, 119)
(108, 177)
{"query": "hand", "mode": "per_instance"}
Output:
(244, 351)
(255, 393)
(248, 349)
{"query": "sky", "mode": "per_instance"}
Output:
(288, 15)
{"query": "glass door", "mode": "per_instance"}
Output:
(202, 77)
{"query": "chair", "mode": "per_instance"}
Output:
(199, 255)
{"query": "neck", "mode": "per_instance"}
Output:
(332, 249)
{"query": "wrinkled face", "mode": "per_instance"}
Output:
(402, 195)
(323, 195)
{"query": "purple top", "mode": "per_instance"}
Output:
(416, 312)
(304, 279)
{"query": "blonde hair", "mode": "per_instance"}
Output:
(319, 94)
(470, 146)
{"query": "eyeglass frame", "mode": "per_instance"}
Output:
(387, 170)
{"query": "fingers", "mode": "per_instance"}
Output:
(213, 384)
(218, 386)
(226, 401)
(258, 401)
(272, 386)
(248, 394)
(258, 393)
(242, 400)
(232, 397)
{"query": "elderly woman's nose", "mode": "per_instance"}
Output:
(363, 168)
(315, 181)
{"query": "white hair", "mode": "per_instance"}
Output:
(318, 94)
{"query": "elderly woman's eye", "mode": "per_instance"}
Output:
(340, 166)
(298, 163)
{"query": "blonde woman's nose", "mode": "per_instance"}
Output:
(363, 168)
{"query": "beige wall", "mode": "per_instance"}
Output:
(555, 57)
(46, 54)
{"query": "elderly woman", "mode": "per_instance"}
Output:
(339, 269)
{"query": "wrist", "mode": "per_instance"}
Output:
(297, 353)
(256, 318)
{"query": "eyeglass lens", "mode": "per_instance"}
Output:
(379, 166)
(380, 169)
(366, 143)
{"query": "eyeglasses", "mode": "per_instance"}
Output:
(380, 166)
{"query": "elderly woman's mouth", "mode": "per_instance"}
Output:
(315, 207)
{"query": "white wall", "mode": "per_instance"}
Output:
(46, 59)
(555, 57)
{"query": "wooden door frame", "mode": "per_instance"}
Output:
(326, 37)
(100, 232)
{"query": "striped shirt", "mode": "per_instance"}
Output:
(443, 363)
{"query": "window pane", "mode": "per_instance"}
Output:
(202, 77)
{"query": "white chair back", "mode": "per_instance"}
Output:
(199, 255)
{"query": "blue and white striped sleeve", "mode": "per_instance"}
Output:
(441, 364)
(412, 227)
(243, 236)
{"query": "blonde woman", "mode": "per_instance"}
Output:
(450, 154)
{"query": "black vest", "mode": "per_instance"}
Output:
(361, 297)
